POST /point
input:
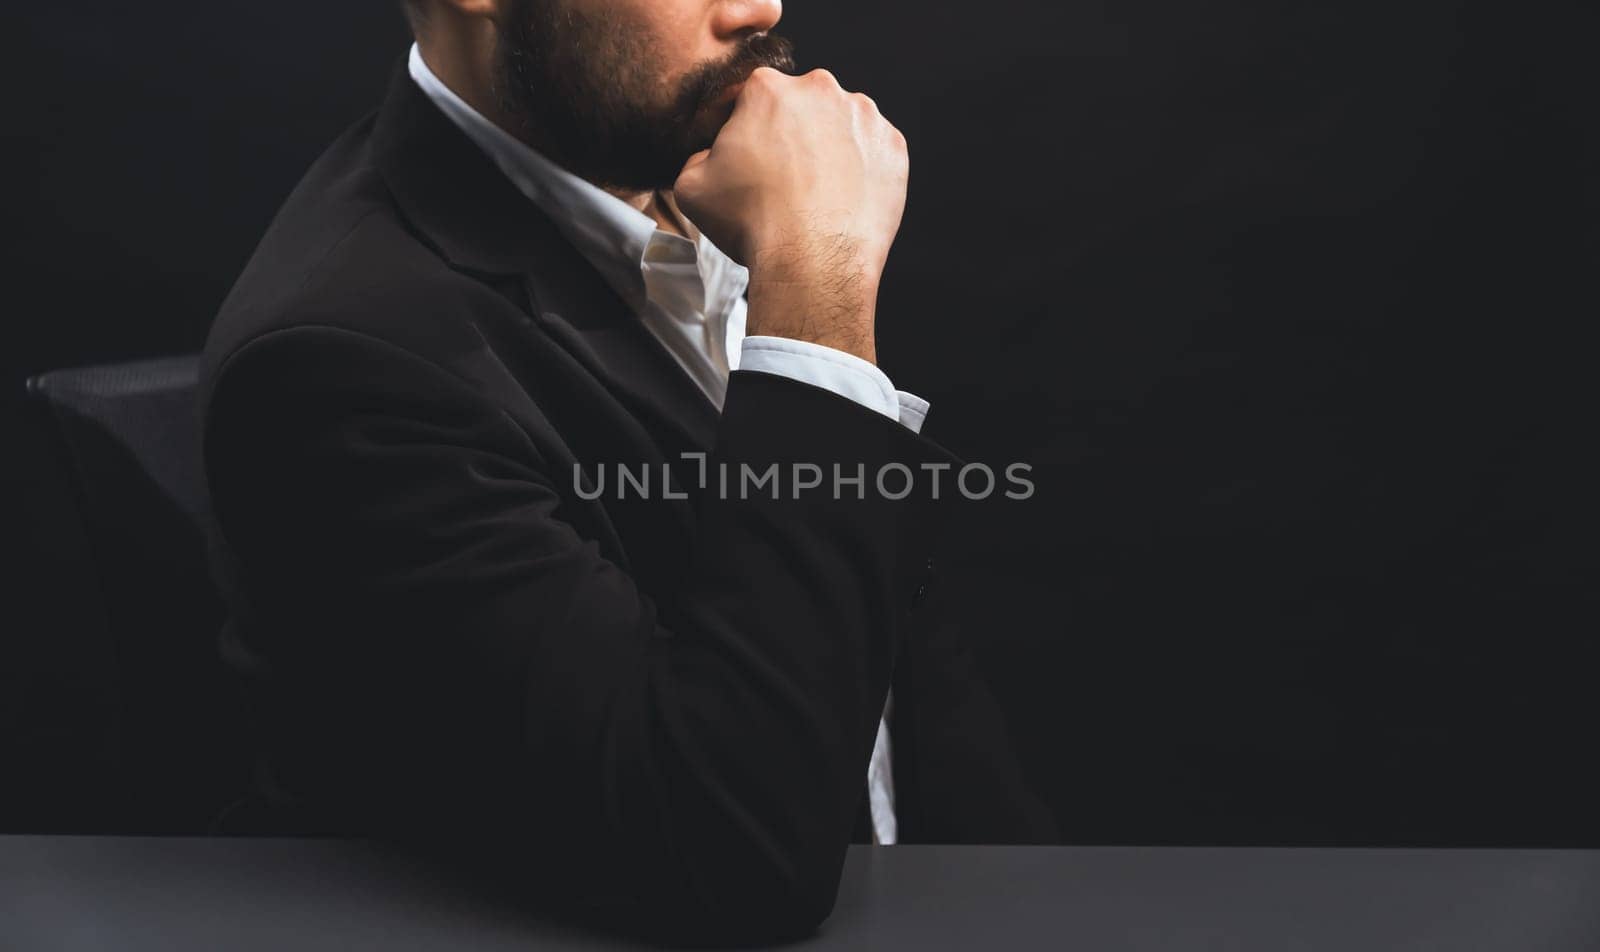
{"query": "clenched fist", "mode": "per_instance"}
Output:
(805, 185)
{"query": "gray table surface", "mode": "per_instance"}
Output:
(178, 895)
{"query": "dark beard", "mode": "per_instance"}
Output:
(586, 92)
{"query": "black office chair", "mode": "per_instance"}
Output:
(124, 443)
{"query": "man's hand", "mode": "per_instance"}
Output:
(805, 185)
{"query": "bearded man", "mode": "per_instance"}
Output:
(582, 238)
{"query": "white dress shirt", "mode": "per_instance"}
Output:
(691, 297)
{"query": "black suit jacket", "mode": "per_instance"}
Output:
(661, 708)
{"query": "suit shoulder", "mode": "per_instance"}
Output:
(341, 255)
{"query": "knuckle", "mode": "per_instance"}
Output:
(822, 77)
(764, 82)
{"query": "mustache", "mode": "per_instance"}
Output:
(709, 81)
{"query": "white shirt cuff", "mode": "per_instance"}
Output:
(834, 370)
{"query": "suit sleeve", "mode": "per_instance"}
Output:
(456, 657)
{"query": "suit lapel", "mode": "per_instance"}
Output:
(588, 319)
(463, 206)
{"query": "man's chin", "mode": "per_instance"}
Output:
(708, 123)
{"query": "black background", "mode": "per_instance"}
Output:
(1284, 301)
